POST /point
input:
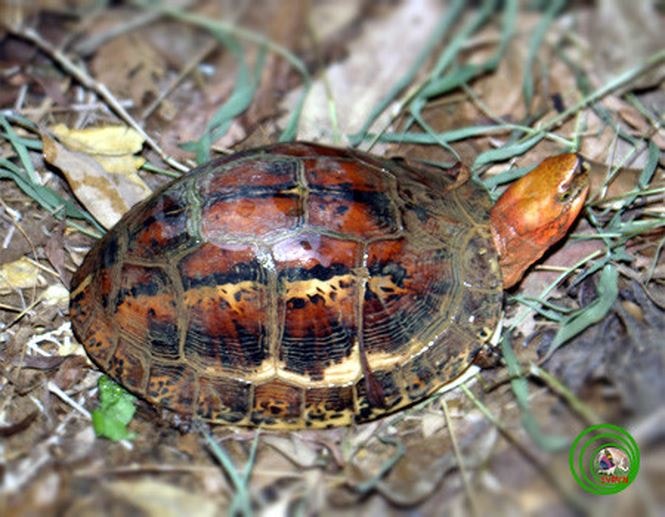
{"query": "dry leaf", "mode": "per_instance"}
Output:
(156, 498)
(299, 452)
(56, 294)
(128, 65)
(20, 274)
(106, 195)
(432, 423)
(637, 122)
(106, 140)
(122, 165)
(375, 60)
(622, 34)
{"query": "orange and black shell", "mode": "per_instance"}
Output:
(295, 285)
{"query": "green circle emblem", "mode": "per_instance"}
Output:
(604, 459)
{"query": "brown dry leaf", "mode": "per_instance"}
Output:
(622, 34)
(54, 250)
(375, 60)
(637, 123)
(106, 194)
(299, 452)
(130, 66)
(155, 498)
(70, 372)
(501, 92)
(20, 274)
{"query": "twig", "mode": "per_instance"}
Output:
(475, 511)
(89, 82)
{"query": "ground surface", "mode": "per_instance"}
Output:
(491, 83)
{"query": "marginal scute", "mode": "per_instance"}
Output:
(417, 377)
(173, 386)
(129, 365)
(334, 405)
(101, 342)
(277, 400)
(293, 286)
(379, 395)
(224, 399)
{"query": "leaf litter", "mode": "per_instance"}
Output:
(496, 82)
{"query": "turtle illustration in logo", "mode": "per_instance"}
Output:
(610, 460)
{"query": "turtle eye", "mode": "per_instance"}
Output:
(565, 194)
(564, 188)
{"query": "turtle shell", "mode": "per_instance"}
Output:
(294, 285)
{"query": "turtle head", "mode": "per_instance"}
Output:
(536, 211)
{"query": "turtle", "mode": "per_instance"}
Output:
(304, 286)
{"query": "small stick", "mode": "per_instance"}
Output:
(89, 82)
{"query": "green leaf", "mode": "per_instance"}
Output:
(116, 409)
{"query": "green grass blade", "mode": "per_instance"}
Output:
(452, 14)
(534, 45)
(291, 130)
(26, 178)
(46, 197)
(240, 99)
(507, 176)
(241, 503)
(618, 81)
(453, 49)
(21, 150)
(608, 290)
(29, 143)
(506, 152)
(520, 387)
(650, 167)
(246, 35)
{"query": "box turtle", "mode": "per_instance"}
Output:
(299, 285)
